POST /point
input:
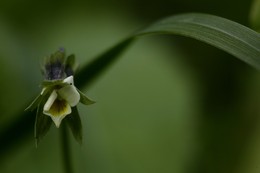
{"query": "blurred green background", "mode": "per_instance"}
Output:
(170, 104)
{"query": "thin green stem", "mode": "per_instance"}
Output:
(65, 146)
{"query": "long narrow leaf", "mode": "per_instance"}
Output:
(95, 68)
(227, 35)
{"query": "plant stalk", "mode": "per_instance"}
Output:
(65, 146)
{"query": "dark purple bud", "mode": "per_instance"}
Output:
(54, 66)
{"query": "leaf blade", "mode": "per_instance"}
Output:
(96, 67)
(222, 33)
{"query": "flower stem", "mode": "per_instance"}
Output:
(67, 164)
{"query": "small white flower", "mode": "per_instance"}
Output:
(60, 101)
(59, 97)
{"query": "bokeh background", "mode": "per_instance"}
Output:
(170, 104)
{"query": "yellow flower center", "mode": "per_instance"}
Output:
(59, 107)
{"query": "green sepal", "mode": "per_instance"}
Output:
(53, 83)
(71, 61)
(84, 99)
(35, 103)
(74, 122)
(57, 56)
(70, 65)
(42, 125)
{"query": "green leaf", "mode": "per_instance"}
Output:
(74, 123)
(224, 34)
(42, 124)
(255, 15)
(227, 35)
(95, 68)
(84, 99)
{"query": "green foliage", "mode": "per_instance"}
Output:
(227, 35)
(96, 67)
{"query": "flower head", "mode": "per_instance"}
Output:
(59, 97)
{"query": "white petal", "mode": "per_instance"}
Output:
(70, 94)
(50, 101)
(69, 80)
(57, 119)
